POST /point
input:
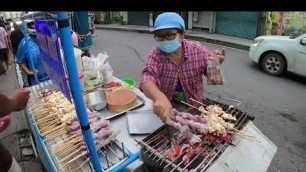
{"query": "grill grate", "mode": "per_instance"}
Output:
(155, 146)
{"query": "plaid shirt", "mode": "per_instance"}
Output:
(165, 73)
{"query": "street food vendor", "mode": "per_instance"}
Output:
(23, 57)
(173, 70)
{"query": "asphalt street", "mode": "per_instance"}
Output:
(278, 103)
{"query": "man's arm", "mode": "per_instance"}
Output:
(161, 104)
(15, 102)
(26, 69)
(6, 105)
(151, 90)
(148, 84)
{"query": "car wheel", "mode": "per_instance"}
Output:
(273, 64)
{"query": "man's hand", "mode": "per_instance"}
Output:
(33, 72)
(220, 54)
(19, 99)
(162, 108)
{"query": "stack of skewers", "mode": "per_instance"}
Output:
(57, 121)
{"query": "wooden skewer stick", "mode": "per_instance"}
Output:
(45, 119)
(63, 147)
(189, 105)
(66, 140)
(38, 114)
(75, 158)
(53, 129)
(60, 132)
(68, 150)
(244, 136)
(198, 102)
(69, 144)
(70, 155)
(238, 131)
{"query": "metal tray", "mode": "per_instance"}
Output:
(105, 113)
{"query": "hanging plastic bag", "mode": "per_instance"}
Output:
(213, 72)
(97, 70)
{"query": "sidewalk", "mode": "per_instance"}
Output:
(16, 138)
(229, 41)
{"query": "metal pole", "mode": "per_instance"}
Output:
(66, 40)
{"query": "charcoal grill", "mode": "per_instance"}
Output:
(156, 144)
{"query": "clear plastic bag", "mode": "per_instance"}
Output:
(97, 69)
(213, 72)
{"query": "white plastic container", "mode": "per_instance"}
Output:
(78, 59)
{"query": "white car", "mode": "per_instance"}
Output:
(277, 54)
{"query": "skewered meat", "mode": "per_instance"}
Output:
(99, 124)
(102, 133)
(228, 116)
(214, 109)
(75, 125)
(173, 123)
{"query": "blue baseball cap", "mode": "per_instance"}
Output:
(169, 20)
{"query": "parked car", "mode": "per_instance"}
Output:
(277, 54)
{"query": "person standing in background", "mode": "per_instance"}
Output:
(10, 50)
(16, 37)
(4, 45)
(24, 57)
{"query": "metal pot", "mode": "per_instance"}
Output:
(97, 100)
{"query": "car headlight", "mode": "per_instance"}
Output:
(257, 42)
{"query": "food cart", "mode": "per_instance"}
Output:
(69, 121)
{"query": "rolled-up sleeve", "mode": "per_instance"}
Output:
(150, 71)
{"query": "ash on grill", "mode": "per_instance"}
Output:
(168, 149)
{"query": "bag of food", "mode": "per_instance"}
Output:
(214, 72)
(97, 70)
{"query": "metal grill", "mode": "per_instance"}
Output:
(156, 144)
(110, 155)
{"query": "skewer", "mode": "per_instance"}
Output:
(70, 155)
(60, 132)
(245, 136)
(198, 102)
(53, 129)
(45, 119)
(189, 105)
(83, 154)
(68, 150)
(62, 148)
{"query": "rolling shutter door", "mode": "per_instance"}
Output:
(240, 24)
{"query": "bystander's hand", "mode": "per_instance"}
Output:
(19, 99)
(162, 107)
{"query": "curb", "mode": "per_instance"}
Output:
(197, 38)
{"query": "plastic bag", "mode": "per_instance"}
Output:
(97, 69)
(213, 72)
